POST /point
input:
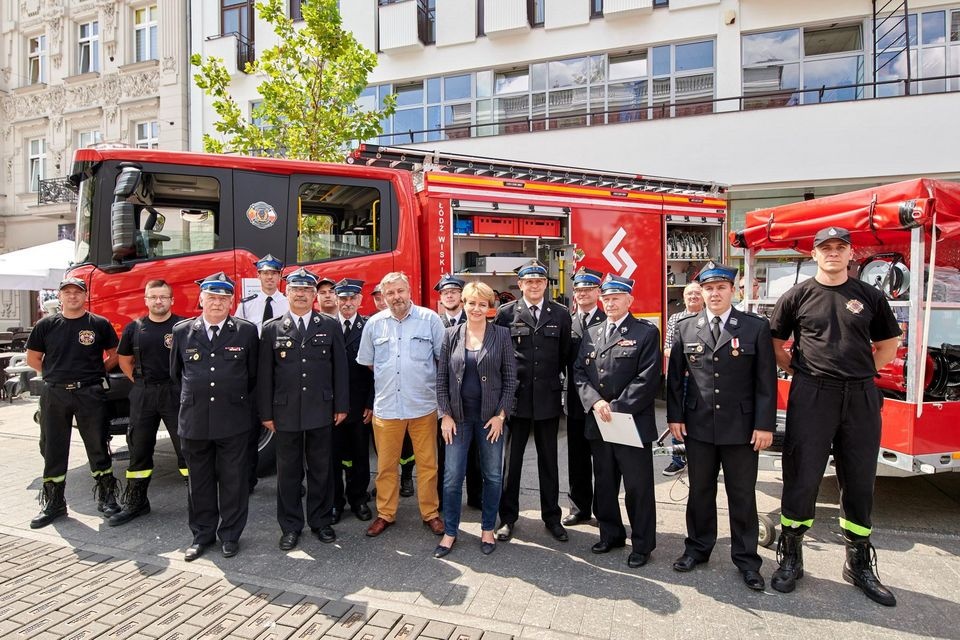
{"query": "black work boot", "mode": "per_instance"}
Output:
(106, 489)
(860, 571)
(135, 502)
(53, 504)
(406, 480)
(790, 557)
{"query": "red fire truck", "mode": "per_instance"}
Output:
(906, 241)
(180, 216)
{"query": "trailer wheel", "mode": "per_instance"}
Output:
(266, 454)
(768, 530)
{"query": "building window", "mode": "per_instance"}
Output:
(596, 8)
(145, 34)
(535, 12)
(427, 21)
(661, 3)
(148, 135)
(88, 47)
(37, 60)
(236, 16)
(296, 11)
(934, 53)
(802, 66)
(36, 162)
(88, 139)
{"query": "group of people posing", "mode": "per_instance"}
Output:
(461, 396)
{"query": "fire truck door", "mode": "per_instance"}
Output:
(262, 216)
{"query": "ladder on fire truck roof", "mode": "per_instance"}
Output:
(426, 160)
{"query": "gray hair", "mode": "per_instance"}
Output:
(394, 276)
(691, 286)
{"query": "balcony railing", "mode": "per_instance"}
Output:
(56, 190)
(426, 22)
(246, 51)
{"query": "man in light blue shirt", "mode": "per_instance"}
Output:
(401, 344)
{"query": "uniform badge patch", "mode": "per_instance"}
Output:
(854, 306)
(168, 340)
(87, 337)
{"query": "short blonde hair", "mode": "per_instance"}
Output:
(479, 290)
(394, 276)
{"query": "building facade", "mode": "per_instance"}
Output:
(74, 73)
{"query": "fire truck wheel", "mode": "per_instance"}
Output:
(266, 454)
(768, 530)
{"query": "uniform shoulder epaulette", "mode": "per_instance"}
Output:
(243, 321)
(250, 297)
(183, 321)
(268, 322)
(685, 318)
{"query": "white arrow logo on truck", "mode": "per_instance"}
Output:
(621, 258)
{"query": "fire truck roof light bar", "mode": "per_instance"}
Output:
(420, 159)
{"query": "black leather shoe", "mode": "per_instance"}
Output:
(505, 532)
(362, 512)
(575, 519)
(685, 563)
(604, 547)
(487, 547)
(753, 580)
(326, 534)
(406, 487)
(289, 540)
(335, 515)
(230, 549)
(194, 551)
(441, 551)
(557, 531)
(636, 560)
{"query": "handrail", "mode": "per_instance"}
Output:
(56, 190)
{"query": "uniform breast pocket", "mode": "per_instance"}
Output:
(551, 331)
(519, 332)
(321, 346)
(421, 348)
(693, 354)
(746, 349)
(625, 352)
(239, 355)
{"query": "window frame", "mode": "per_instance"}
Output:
(151, 141)
(239, 7)
(40, 56)
(97, 134)
(150, 28)
(92, 43)
(36, 159)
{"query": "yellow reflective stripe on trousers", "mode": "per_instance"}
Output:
(793, 524)
(347, 464)
(146, 473)
(854, 528)
(56, 479)
(185, 472)
(104, 472)
(407, 460)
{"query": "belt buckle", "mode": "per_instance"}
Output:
(72, 386)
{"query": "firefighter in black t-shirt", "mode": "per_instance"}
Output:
(833, 319)
(145, 358)
(68, 348)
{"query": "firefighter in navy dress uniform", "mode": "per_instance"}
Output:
(586, 293)
(68, 349)
(540, 330)
(618, 370)
(722, 402)
(843, 332)
(258, 308)
(144, 353)
(214, 360)
(351, 439)
(303, 393)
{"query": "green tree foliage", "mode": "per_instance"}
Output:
(312, 79)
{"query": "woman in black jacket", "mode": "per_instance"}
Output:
(476, 384)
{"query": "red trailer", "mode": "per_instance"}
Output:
(906, 242)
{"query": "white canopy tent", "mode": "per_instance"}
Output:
(35, 268)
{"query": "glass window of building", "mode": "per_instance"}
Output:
(147, 135)
(88, 47)
(145, 34)
(934, 53)
(36, 163)
(37, 59)
(89, 138)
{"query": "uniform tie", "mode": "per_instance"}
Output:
(610, 329)
(346, 327)
(301, 326)
(715, 328)
(536, 318)
(583, 321)
(268, 309)
(214, 330)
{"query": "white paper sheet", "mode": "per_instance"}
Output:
(620, 430)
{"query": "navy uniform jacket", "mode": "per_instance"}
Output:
(303, 379)
(731, 387)
(624, 370)
(216, 381)
(361, 377)
(574, 405)
(542, 350)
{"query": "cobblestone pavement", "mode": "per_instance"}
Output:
(79, 578)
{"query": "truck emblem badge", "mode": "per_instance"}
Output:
(87, 337)
(261, 215)
(617, 256)
(854, 306)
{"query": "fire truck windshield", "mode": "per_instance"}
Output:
(84, 220)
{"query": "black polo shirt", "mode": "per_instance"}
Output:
(156, 338)
(833, 327)
(72, 348)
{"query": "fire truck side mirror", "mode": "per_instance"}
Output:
(122, 230)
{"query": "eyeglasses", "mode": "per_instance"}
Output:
(157, 298)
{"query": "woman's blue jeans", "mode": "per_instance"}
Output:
(455, 470)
